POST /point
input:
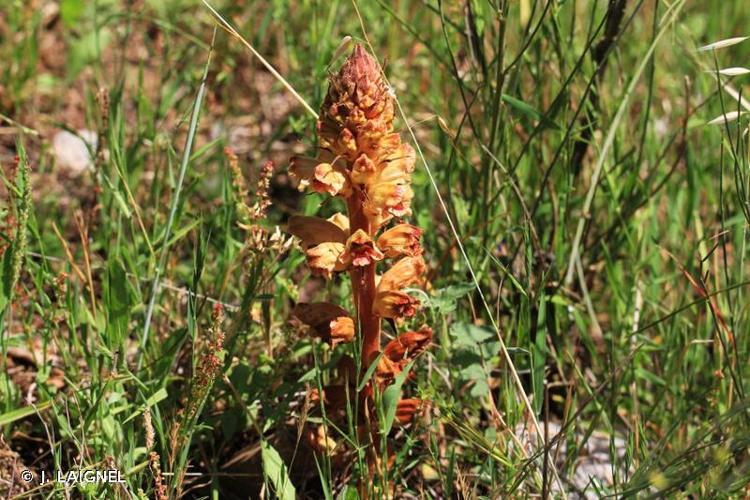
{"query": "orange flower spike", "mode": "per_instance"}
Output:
(357, 108)
(363, 160)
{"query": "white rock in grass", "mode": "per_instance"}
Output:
(592, 465)
(73, 153)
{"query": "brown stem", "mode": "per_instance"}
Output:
(363, 285)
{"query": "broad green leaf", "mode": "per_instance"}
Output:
(468, 335)
(275, 470)
(445, 300)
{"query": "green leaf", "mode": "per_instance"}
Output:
(469, 336)
(391, 397)
(528, 111)
(23, 412)
(348, 494)
(119, 301)
(6, 272)
(155, 398)
(476, 374)
(445, 300)
(71, 11)
(275, 470)
(309, 375)
(369, 372)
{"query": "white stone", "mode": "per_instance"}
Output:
(74, 153)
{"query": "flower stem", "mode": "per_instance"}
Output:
(363, 285)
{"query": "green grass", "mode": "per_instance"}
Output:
(586, 235)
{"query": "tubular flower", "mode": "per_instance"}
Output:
(394, 304)
(342, 329)
(390, 300)
(401, 239)
(328, 321)
(408, 345)
(323, 242)
(321, 176)
(362, 160)
(361, 250)
(405, 272)
(389, 194)
(323, 259)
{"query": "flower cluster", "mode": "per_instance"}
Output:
(362, 160)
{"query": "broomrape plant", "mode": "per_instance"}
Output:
(363, 161)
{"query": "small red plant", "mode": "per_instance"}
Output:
(362, 160)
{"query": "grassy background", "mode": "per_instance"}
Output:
(605, 222)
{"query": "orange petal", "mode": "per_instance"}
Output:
(408, 345)
(314, 230)
(405, 272)
(406, 410)
(363, 169)
(302, 169)
(361, 250)
(342, 329)
(330, 179)
(324, 259)
(329, 321)
(321, 174)
(317, 313)
(320, 440)
(387, 370)
(395, 304)
(401, 239)
(340, 220)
